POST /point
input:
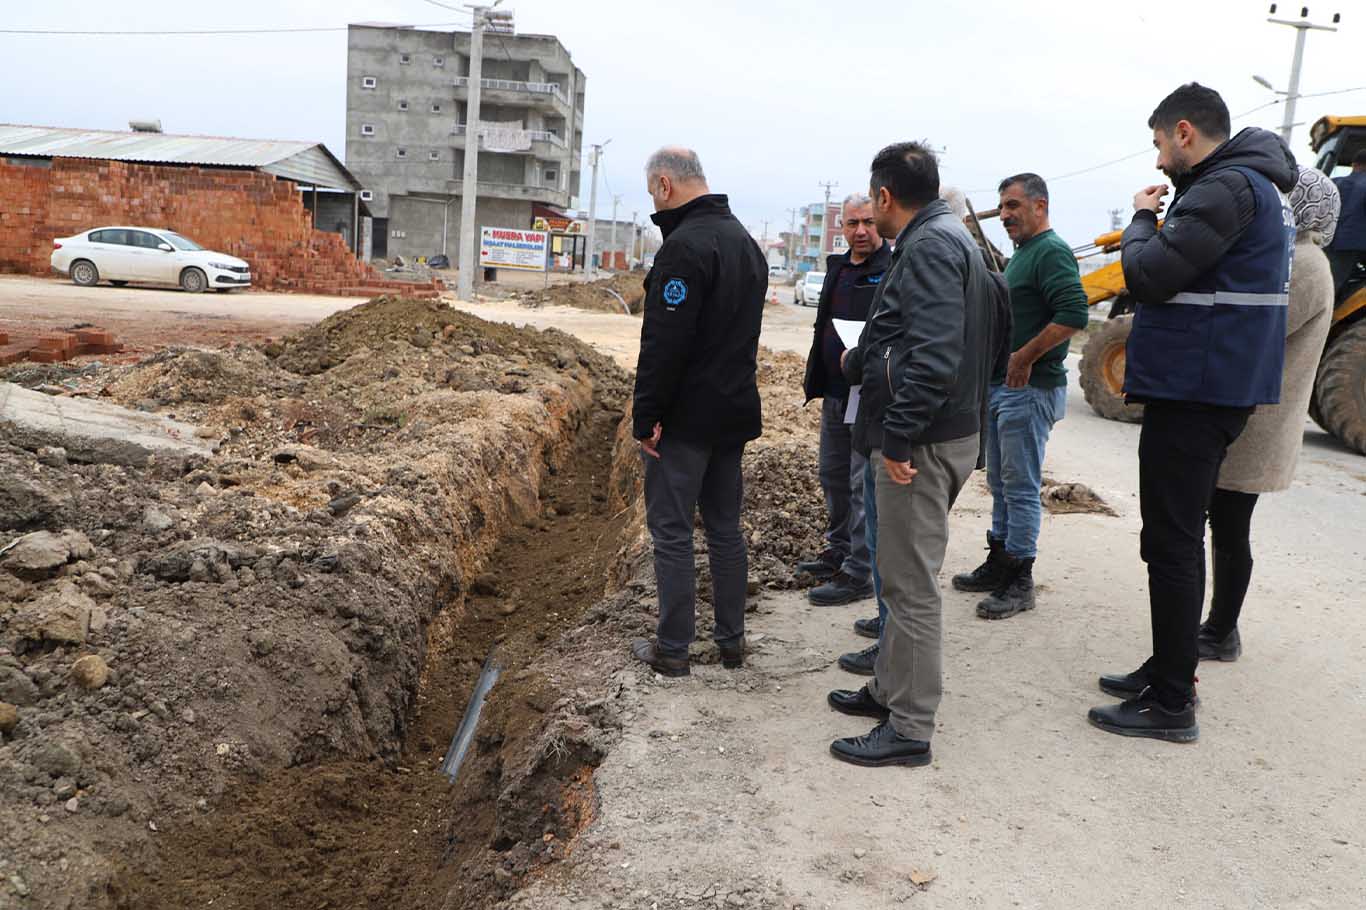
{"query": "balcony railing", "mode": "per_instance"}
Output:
(509, 85)
(461, 129)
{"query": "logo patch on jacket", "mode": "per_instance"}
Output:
(675, 292)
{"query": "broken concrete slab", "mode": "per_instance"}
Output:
(36, 555)
(95, 431)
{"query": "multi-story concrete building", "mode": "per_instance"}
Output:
(407, 132)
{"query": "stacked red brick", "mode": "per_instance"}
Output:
(58, 346)
(238, 211)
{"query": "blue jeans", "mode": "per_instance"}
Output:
(870, 537)
(1018, 424)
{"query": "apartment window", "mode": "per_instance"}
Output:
(550, 175)
(403, 105)
(367, 129)
(368, 82)
(405, 59)
(438, 61)
(402, 153)
(366, 195)
(433, 156)
(436, 108)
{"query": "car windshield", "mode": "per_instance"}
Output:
(815, 277)
(181, 243)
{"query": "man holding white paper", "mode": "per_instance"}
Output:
(851, 279)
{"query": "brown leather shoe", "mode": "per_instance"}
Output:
(644, 651)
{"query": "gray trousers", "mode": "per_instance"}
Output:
(684, 477)
(912, 532)
(841, 474)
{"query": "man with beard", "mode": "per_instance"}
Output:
(1207, 346)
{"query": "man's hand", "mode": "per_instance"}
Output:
(1150, 198)
(651, 446)
(901, 472)
(844, 355)
(1017, 373)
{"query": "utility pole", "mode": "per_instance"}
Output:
(635, 232)
(825, 215)
(1302, 27)
(469, 185)
(791, 239)
(612, 243)
(593, 213)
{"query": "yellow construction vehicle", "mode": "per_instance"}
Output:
(1339, 401)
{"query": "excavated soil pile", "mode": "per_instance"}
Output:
(215, 671)
(593, 295)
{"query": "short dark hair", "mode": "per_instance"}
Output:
(909, 171)
(1032, 184)
(1359, 159)
(1195, 103)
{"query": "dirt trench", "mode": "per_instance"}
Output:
(344, 834)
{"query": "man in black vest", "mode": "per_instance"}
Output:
(697, 403)
(851, 279)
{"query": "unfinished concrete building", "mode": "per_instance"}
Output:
(407, 132)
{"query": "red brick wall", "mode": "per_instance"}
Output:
(247, 214)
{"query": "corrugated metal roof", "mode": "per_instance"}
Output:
(307, 162)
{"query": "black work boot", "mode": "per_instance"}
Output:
(869, 628)
(732, 654)
(1212, 644)
(1015, 595)
(823, 566)
(1146, 716)
(839, 590)
(646, 652)
(1131, 685)
(860, 663)
(989, 575)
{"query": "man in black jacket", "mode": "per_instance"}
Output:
(1207, 346)
(697, 403)
(925, 361)
(851, 279)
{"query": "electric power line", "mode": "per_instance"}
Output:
(182, 33)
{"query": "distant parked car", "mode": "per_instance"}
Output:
(778, 275)
(139, 255)
(808, 290)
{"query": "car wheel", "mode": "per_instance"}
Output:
(118, 284)
(193, 281)
(84, 273)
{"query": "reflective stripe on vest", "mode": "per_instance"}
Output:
(1231, 298)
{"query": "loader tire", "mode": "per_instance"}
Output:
(1102, 371)
(1340, 387)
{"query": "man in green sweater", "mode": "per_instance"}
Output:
(1049, 307)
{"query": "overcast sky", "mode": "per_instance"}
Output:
(776, 97)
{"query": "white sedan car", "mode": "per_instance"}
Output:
(808, 289)
(140, 255)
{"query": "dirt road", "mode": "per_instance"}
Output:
(723, 794)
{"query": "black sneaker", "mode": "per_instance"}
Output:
(1016, 595)
(858, 703)
(840, 590)
(1131, 685)
(990, 575)
(1145, 716)
(1212, 646)
(823, 566)
(869, 628)
(645, 652)
(732, 654)
(882, 746)
(860, 663)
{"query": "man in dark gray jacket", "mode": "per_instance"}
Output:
(925, 359)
